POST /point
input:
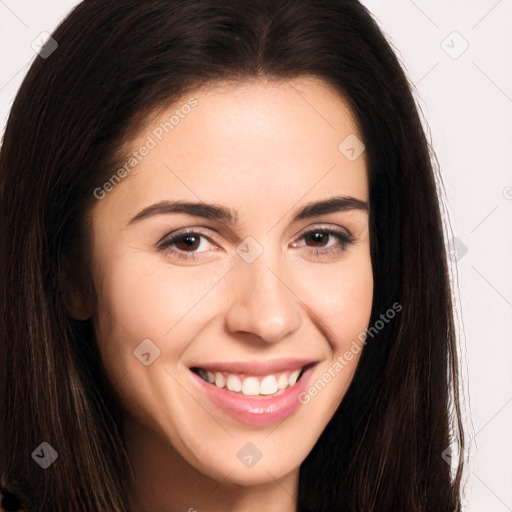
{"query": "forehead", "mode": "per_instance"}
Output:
(250, 142)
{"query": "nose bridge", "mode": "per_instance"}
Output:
(261, 301)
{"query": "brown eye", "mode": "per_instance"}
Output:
(188, 242)
(319, 240)
(318, 237)
(186, 245)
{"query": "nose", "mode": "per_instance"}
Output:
(262, 302)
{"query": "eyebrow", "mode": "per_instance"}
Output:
(225, 215)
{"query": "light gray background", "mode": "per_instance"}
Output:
(466, 99)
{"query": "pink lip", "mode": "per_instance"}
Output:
(254, 411)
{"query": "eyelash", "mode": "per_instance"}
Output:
(167, 244)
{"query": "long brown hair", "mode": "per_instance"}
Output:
(115, 63)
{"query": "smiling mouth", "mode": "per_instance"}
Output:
(268, 385)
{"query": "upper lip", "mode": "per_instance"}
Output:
(262, 367)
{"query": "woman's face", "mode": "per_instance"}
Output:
(217, 258)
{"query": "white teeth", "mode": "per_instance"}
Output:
(234, 384)
(282, 382)
(293, 377)
(251, 386)
(268, 386)
(220, 381)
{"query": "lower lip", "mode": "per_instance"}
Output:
(254, 411)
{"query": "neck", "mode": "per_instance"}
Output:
(165, 482)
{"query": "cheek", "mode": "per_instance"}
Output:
(139, 301)
(149, 299)
(353, 304)
(343, 304)
(341, 297)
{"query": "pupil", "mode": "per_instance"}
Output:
(190, 241)
(318, 237)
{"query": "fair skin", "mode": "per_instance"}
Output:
(263, 150)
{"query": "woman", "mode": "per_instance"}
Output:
(225, 282)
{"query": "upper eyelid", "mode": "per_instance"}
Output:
(304, 231)
(329, 229)
(180, 232)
